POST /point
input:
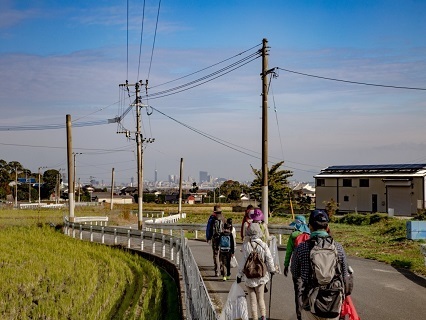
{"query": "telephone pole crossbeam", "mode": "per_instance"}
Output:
(139, 141)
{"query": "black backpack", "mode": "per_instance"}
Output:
(255, 266)
(327, 286)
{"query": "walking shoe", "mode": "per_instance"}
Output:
(224, 279)
(216, 274)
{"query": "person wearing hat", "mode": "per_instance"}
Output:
(301, 266)
(213, 231)
(257, 216)
(300, 234)
(256, 286)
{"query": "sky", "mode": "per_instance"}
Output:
(61, 58)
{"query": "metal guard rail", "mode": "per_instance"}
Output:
(197, 300)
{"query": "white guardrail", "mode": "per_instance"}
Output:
(197, 302)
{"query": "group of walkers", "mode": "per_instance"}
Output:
(318, 266)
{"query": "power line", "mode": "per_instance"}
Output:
(198, 82)
(353, 82)
(155, 36)
(140, 46)
(211, 66)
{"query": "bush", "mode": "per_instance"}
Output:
(361, 219)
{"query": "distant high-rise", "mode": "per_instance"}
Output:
(132, 181)
(155, 176)
(204, 176)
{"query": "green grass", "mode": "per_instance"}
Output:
(47, 275)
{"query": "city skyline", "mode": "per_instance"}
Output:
(347, 87)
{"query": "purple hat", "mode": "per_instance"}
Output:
(256, 215)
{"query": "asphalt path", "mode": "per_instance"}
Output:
(381, 292)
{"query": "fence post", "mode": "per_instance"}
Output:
(196, 234)
(128, 238)
(103, 236)
(115, 236)
(280, 238)
(81, 232)
(163, 253)
(91, 234)
(73, 230)
(141, 240)
(153, 242)
(171, 249)
(177, 252)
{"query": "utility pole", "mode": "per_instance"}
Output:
(112, 189)
(39, 181)
(265, 195)
(139, 141)
(70, 168)
(16, 187)
(180, 188)
(73, 180)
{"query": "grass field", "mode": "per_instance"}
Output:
(46, 275)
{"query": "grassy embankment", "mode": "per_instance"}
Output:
(45, 274)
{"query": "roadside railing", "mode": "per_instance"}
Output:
(197, 301)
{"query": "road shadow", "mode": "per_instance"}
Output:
(419, 280)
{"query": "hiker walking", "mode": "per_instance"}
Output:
(257, 216)
(233, 231)
(245, 224)
(213, 230)
(300, 234)
(226, 251)
(320, 268)
(263, 270)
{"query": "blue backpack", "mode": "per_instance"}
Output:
(225, 243)
(209, 228)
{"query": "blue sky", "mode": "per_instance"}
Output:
(68, 57)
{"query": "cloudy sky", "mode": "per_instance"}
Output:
(204, 90)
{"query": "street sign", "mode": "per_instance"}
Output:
(26, 180)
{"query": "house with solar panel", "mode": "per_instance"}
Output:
(397, 189)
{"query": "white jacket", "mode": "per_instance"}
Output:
(265, 253)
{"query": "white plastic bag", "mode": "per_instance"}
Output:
(236, 304)
(234, 262)
(273, 247)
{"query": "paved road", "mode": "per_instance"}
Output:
(380, 291)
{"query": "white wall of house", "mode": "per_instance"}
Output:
(402, 194)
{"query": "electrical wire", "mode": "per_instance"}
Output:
(155, 36)
(140, 46)
(353, 82)
(211, 66)
(197, 82)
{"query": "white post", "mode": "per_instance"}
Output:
(103, 236)
(141, 240)
(91, 234)
(128, 238)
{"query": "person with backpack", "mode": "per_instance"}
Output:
(226, 251)
(258, 268)
(321, 271)
(213, 230)
(300, 234)
(257, 216)
(245, 224)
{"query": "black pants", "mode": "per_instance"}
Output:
(225, 263)
(297, 298)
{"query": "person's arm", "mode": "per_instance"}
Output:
(232, 244)
(289, 250)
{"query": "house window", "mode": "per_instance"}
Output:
(346, 198)
(365, 183)
(320, 182)
(347, 182)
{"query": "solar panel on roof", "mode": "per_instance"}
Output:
(410, 167)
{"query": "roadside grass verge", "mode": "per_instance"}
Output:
(46, 275)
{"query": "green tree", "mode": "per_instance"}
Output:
(50, 180)
(278, 188)
(231, 190)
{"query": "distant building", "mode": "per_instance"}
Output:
(398, 189)
(204, 177)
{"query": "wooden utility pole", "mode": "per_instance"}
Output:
(138, 137)
(70, 169)
(265, 194)
(180, 188)
(112, 189)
